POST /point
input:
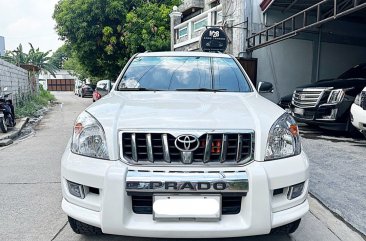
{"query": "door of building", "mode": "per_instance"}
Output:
(60, 84)
(250, 66)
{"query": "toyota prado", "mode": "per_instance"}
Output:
(184, 146)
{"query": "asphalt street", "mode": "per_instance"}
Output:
(338, 172)
(31, 194)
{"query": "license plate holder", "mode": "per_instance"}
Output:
(298, 111)
(202, 208)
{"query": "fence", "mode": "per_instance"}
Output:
(16, 80)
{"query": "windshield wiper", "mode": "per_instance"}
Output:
(202, 89)
(138, 89)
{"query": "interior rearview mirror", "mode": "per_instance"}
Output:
(265, 87)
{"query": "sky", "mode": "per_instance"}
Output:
(28, 21)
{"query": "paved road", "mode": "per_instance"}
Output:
(338, 172)
(31, 195)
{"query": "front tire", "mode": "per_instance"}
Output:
(83, 228)
(286, 229)
(3, 126)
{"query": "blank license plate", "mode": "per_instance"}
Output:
(299, 111)
(187, 207)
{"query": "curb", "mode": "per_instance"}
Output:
(12, 134)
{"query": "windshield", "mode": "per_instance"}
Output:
(184, 73)
(359, 71)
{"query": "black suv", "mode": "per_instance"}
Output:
(327, 103)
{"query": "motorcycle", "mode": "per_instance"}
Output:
(7, 117)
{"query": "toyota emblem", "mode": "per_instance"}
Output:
(186, 143)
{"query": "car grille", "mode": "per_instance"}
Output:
(143, 204)
(307, 98)
(215, 148)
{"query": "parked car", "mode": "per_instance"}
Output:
(358, 112)
(77, 88)
(102, 89)
(327, 103)
(86, 90)
(184, 146)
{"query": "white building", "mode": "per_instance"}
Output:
(2, 46)
(288, 43)
(62, 81)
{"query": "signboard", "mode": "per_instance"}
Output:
(214, 40)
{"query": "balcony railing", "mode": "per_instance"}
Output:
(190, 31)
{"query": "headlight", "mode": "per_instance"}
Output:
(335, 96)
(358, 100)
(283, 139)
(88, 138)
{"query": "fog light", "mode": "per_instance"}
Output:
(295, 191)
(332, 116)
(76, 190)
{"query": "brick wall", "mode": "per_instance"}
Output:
(16, 80)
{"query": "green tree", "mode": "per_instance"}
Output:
(16, 56)
(41, 60)
(34, 57)
(60, 56)
(98, 33)
(147, 28)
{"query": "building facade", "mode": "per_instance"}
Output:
(2, 46)
(292, 43)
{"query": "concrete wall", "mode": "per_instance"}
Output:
(286, 65)
(16, 80)
(337, 58)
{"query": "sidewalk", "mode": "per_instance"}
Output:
(7, 138)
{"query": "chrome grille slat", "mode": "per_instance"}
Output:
(133, 146)
(207, 153)
(164, 138)
(213, 149)
(223, 148)
(307, 98)
(149, 147)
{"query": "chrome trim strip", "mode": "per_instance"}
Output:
(223, 148)
(165, 182)
(165, 143)
(133, 147)
(150, 155)
(207, 153)
(240, 143)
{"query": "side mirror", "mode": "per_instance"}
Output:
(265, 87)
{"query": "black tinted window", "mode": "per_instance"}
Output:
(358, 71)
(172, 73)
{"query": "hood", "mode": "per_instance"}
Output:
(186, 111)
(339, 83)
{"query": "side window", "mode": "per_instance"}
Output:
(101, 85)
(228, 76)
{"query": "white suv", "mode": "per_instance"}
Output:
(358, 112)
(184, 146)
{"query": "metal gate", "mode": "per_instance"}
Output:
(60, 84)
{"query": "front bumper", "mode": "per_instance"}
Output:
(111, 208)
(331, 117)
